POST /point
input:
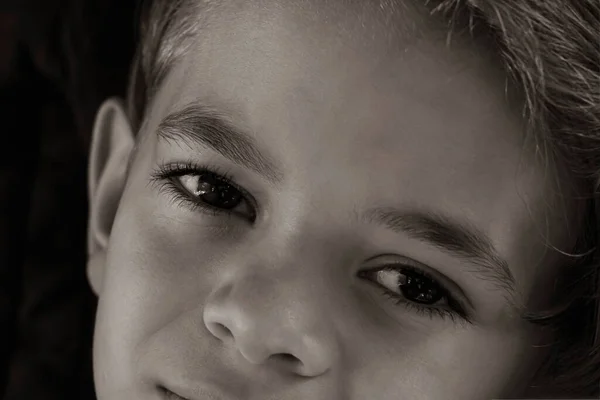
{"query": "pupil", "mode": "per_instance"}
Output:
(420, 289)
(217, 193)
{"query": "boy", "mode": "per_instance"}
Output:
(325, 200)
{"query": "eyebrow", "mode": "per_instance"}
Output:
(461, 240)
(204, 126)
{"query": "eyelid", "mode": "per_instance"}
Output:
(453, 289)
(172, 152)
(178, 168)
(167, 175)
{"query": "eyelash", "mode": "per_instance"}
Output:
(165, 176)
(456, 314)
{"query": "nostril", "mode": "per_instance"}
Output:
(286, 358)
(289, 362)
(220, 331)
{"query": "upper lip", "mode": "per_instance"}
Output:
(200, 392)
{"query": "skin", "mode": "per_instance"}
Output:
(276, 308)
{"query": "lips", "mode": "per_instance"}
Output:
(168, 395)
(196, 394)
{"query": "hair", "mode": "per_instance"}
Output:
(549, 50)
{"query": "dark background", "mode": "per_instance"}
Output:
(59, 59)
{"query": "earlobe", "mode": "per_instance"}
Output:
(112, 144)
(95, 270)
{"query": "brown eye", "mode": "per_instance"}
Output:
(409, 284)
(212, 190)
(419, 288)
(202, 189)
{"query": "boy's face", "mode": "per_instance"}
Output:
(383, 221)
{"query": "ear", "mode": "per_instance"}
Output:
(112, 144)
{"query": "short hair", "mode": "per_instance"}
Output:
(550, 52)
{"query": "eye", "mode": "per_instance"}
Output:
(411, 285)
(416, 290)
(212, 190)
(205, 189)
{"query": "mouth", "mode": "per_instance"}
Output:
(166, 394)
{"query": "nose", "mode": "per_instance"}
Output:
(272, 321)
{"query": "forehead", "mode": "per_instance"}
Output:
(379, 94)
(328, 56)
(294, 70)
(319, 53)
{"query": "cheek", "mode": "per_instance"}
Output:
(161, 268)
(152, 276)
(478, 363)
(450, 365)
